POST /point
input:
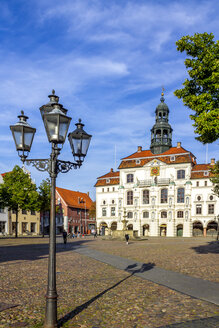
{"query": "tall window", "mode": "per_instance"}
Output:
(180, 195)
(180, 214)
(33, 227)
(104, 211)
(145, 215)
(210, 208)
(145, 196)
(2, 210)
(163, 215)
(198, 209)
(130, 178)
(164, 193)
(113, 211)
(33, 213)
(2, 226)
(130, 215)
(24, 211)
(130, 197)
(181, 174)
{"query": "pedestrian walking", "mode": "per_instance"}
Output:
(64, 234)
(127, 238)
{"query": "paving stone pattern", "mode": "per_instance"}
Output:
(95, 294)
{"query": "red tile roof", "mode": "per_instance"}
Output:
(111, 178)
(71, 198)
(148, 153)
(2, 174)
(103, 182)
(198, 171)
(145, 156)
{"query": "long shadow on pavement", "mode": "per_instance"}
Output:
(80, 308)
(211, 247)
(32, 252)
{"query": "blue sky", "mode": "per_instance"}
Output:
(107, 61)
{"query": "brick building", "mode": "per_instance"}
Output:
(73, 209)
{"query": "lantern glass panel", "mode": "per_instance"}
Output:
(18, 137)
(85, 145)
(64, 122)
(51, 126)
(28, 138)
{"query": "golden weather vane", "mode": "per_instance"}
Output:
(162, 93)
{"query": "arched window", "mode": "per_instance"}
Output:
(181, 174)
(163, 195)
(145, 215)
(145, 198)
(130, 215)
(180, 214)
(130, 178)
(163, 215)
(130, 197)
(180, 195)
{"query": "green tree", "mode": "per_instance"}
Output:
(44, 199)
(215, 179)
(201, 90)
(18, 192)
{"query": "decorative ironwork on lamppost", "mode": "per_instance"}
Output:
(56, 124)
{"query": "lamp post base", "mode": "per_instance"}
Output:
(51, 312)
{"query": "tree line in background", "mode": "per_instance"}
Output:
(19, 192)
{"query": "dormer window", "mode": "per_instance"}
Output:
(107, 180)
(206, 173)
(172, 158)
(138, 161)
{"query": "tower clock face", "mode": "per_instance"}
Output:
(155, 171)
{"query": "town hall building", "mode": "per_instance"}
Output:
(158, 192)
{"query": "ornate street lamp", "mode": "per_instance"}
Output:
(56, 124)
(79, 142)
(23, 135)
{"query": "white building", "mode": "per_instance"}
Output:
(4, 217)
(159, 192)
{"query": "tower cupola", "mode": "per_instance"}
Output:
(161, 133)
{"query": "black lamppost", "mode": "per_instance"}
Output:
(56, 124)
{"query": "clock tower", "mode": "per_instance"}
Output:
(161, 133)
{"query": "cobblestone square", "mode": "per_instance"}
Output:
(94, 294)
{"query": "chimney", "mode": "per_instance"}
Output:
(111, 170)
(212, 161)
(178, 144)
(139, 149)
(88, 193)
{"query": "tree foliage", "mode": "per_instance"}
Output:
(44, 199)
(44, 195)
(201, 91)
(215, 180)
(18, 191)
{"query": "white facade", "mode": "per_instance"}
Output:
(175, 201)
(4, 217)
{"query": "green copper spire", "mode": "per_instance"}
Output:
(161, 133)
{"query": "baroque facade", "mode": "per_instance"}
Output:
(158, 192)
